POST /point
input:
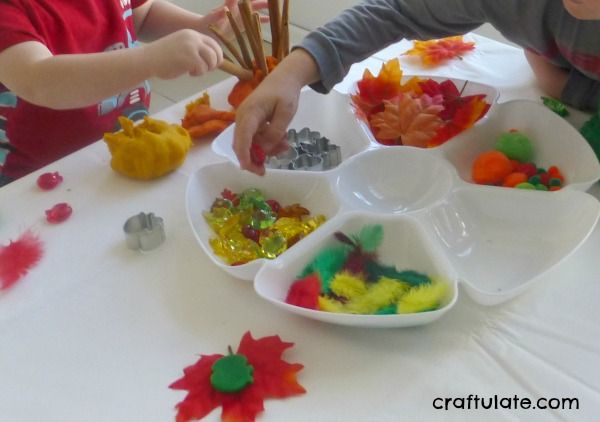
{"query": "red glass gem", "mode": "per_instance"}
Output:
(59, 213)
(49, 181)
(257, 154)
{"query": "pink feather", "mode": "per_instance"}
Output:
(18, 257)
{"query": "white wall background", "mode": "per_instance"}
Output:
(306, 15)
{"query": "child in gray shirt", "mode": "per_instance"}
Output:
(561, 39)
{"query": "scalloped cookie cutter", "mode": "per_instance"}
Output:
(144, 232)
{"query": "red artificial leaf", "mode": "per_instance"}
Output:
(18, 257)
(468, 110)
(434, 52)
(373, 90)
(273, 378)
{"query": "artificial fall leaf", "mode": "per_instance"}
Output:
(373, 90)
(407, 121)
(272, 378)
(18, 257)
(434, 52)
(468, 110)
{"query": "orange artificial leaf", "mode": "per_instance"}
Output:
(434, 52)
(407, 121)
(271, 377)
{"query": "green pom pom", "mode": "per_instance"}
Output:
(541, 186)
(515, 146)
(525, 185)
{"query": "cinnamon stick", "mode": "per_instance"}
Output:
(246, 13)
(234, 51)
(275, 22)
(284, 46)
(261, 60)
(240, 39)
(236, 70)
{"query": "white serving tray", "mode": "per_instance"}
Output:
(494, 241)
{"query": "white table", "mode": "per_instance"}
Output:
(97, 332)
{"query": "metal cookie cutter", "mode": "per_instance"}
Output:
(308, 151)
(144, 232)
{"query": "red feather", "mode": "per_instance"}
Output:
(18, 257)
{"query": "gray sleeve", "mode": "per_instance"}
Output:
(374, 24)
(581, 91)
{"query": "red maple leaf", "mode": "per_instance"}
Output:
(273, 378)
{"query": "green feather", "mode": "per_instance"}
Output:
(327, 263)
(370, 237)
(376, 270)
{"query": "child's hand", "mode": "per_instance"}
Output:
(218, 18)
(184, 51)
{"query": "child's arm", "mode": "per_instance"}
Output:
(550, 78)
(77, 80)
(157, 18)
(264, 116)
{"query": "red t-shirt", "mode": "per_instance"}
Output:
(36, 136)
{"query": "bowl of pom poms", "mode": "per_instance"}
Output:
(385, 237)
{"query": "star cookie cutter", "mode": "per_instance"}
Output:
(144, 232)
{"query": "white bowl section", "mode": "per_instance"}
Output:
(465, 87)
(501, 241)
(405, 245)
(555, 142)
(394, 181)
(205, 185)
(330, 115)
(496, 242)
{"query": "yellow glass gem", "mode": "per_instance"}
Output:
(148, 150)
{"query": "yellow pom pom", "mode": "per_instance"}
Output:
(381, 294)
(346, 285)
(426, 297)
(149, 150)
(330, 305)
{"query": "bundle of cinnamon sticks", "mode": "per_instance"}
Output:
(249, 51)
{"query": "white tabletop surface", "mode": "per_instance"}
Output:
(97, 332)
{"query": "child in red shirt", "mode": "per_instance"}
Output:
(68, 69)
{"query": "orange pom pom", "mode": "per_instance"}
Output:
(490, 168)
(514, 179)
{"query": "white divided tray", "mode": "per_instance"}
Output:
(494, 241)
